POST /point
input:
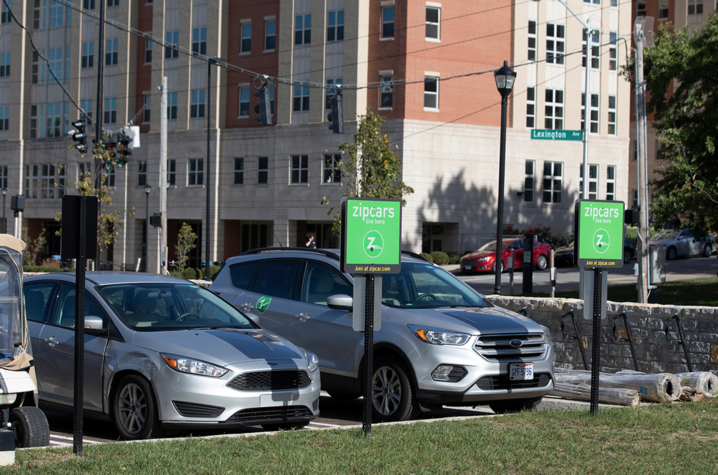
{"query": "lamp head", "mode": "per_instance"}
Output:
(148, 189)
(505, 78)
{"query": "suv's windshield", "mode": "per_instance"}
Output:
(665, 234)
(171, 306)
(427, 286)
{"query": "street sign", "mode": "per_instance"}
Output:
(570, 135)
(358, 315)
(371, 236)
(598, 231)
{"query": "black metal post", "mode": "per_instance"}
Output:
(99, 108)
(512, 261)
(4, 223)
(79, 330)
(147, 230)
(500, 215)
(369, 353)
(596, 350)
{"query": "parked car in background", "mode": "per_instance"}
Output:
(682, 243)
(161, 352)
(483, 259)
(563, 256)
(440, 342)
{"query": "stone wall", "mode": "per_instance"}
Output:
(654, 353)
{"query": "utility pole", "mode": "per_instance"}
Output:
(163, 179)
(98, 118)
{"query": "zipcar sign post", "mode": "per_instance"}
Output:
(371, 236)
(599, 234)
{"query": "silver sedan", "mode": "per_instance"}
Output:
(163, 353)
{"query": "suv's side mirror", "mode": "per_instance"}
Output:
(93, 323)
(340, 302)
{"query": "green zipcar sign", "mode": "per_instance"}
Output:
(371, 236)
(263, 304)
(598, 228)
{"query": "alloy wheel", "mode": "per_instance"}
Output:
(386, 391)
(132, 408)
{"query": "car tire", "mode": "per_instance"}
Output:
(706, 250)
(627, 256)
(515, 405)
(134, 410)
(493, 268)
(342, 396)
(392, 394)
(671, 253)
(30, 426)
(541, 262)
(285, 426)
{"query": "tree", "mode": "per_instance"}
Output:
(371, 170)
(685, 67)
(33, 247)
(185, 243)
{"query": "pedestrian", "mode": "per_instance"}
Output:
(311, 244)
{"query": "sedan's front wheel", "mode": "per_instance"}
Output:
(392, 394)
(134, 409)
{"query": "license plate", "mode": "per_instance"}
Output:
(521, 371)
(467, 267)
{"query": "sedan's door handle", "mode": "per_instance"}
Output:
(303, 316)
(52, 341)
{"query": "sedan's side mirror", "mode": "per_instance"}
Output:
(93, 323)
(340, 302)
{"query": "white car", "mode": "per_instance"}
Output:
(682, 243)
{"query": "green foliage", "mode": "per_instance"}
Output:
(213, 271)
(685, 65)
(48, 269)
(428, 257)
(190, 273)
(542, 233)
(440, 258)
(372, 169)
(454, 258)
(185, 243)
(33, 247)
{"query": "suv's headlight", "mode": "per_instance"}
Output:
(190, 366)
(312, 361)
(547, 335)
(435, 336)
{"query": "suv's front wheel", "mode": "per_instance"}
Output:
(392, 394)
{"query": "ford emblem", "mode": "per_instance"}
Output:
(516, 343)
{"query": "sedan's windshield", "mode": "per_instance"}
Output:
(491, 246)
(427, 286)
(665, 234)
(171, 306)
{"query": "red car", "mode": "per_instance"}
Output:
(483, 259)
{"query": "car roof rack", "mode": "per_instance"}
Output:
(415, 255)
(329, 254)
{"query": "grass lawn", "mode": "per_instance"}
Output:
(702, 291)
(680, 438)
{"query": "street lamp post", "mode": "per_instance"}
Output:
(505, 79)
(148, 190)
(4, 223)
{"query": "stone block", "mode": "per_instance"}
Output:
(689, 325)
(627, 351)
(677, 368)
(710, 337)
(657, 337)
(714, 354)
(708, 326)
(673, 357)
(654, 353)
(626, 363)
(702, 358)
(690, 336)
(615, 350)
(550, 305)
(699, 347)
(637, 310)
(658, 367)
(700, 313)
(651, 323)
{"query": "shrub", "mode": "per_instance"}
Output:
(213, 271)
(176, 273)
(454, 258)
(440, 258)
(427, 257)
(41, 269)
(189, 273)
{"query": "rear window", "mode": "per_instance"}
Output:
(242, 274)
(276, 278)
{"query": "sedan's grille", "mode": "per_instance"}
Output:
(270, 381)
(499, 347)
(489, 383)
(280, 413)
(190, 409)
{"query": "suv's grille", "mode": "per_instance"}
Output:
(190, 409)
(280, 413)
(488, 383)
(270, 381)
(498, 347)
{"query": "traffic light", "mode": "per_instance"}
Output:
(125, 146)
(80, 136)
(111, 144)
(262, 108)
(336, 116)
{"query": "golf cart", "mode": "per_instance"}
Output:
(18, 386)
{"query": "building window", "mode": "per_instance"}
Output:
(592, 182)
(239, 171)
(611, 115)
(270, 35)
(39, 15)
(31, 181)
(529, 182)
(635, 150)
(61, 181)
(555, 37)
(330, 90)
(110, 110)
(111, 49)
(635, 198)
(614, 3)
(86, 105)
(172, 41)
(262, 170)
(196, 105)
(532, 41)
(5, 18)
(199, 40)
(303, 29)
(594, 113)
(244, 101)
(433, 18)
(662, 9)
(387, 22)
(110, 175)
(147, 104)
(171, 172)
(148, 50)
(613, 51)
(141, 173)
(596, 2)
(332, 172)
(38, 68)
(271, 99)
(530, 107)
(695, 7)
(595, 49)
(54, 120)
(171, 105)
(56, 15)
(245, 42)
(335, 26)
(640, 9)
(196, 174)
(552, 180)
(431, 92)
(88, 4)
(4, 65)
(386, 92)
(88, 54)
(300, 169)
(3, 177)
(36, 115)
(113, 3)
(553, 117)
(5, 118)
(301, 97)
(55, 64)
(610, 182)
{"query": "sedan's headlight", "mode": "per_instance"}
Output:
(190, 366)
(435, 336)
(312, 361)
(480, 259)
(547, 335)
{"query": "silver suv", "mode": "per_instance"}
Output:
(440, 342)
